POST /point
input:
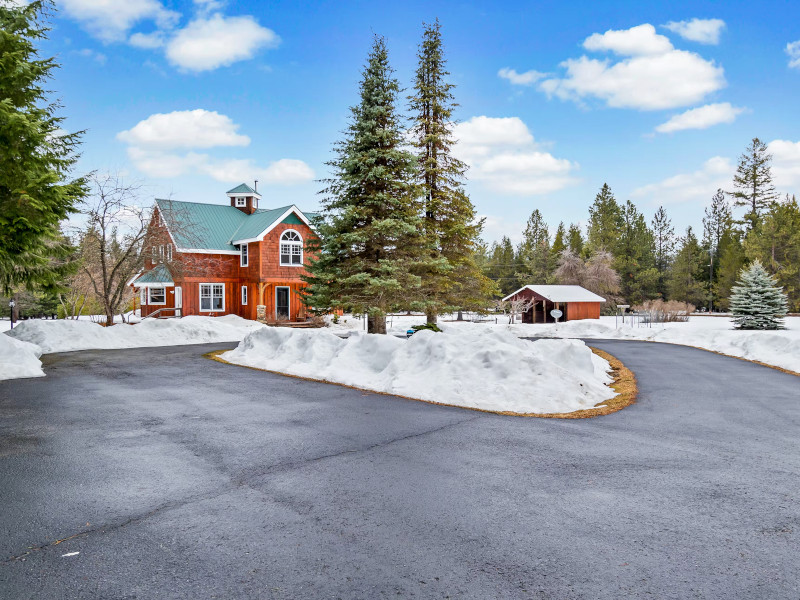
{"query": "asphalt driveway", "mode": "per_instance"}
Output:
(172, 476)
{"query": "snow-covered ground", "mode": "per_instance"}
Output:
(470, 365)
(19, 359)
(66, 335)
(716, 333)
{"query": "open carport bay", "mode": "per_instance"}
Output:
(178, 477)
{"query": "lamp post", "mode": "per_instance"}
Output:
(11, 305)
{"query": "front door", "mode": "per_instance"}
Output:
(282, 303)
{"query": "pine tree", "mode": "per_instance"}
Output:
(370, 233)
(752, 182)
(575, 238)
(36, 157)
(605, 222)
(731, 259)
(685, 280)
(452, 279)
(717, 223)
(559, 243)
(534, 251)
(664, 241)
(757, 302)
(504, 266)
(776, 244)
(634, 259)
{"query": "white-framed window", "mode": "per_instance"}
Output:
(241, 201)
(161, 253)
(154, 253)
(244, 295)
(291, 249)
(157, 295)
(169, 252)
(212, 297)
(243, 255)
(142, 296)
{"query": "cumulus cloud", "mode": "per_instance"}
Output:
(526, 78)
(184, 129)
(110, 20)
(97, 57)
(718, 172)
(503, 156)
(698, 186)
(153, 142)
(793, 50)
(786, 165)
(702, 117)
(651, 75)
(703, 31)
(216, 41)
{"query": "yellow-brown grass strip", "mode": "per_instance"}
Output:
(624, 384)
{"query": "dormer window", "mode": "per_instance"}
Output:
(291, 249)
(241, 202)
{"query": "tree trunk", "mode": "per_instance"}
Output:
(376, 324)
(109, 317)
(430, 317)
(460, 316)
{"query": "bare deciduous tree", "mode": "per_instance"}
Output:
(596, 274)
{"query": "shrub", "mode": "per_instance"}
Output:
(671, 311)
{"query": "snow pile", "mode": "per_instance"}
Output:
(19, 359)
(68, 335)
(777, 348)
(476, 367)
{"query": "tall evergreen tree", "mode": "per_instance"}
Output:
(686, 274)
(504, 266)
(776, 245)
(752, 183)
(36, 156)
(717, 223)
(370, 233)
(575, 239)
(634, 259)
(605, 222)
(731, 259)
(534, 251)
(451, 279)
(757, 301)
(559, 242)
(664, 242)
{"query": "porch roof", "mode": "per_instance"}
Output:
(158, 276)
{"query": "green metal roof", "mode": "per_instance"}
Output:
(242, 188)
(158, 274)
(198, 226)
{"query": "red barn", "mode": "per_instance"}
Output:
(573, 301)
(212, 259)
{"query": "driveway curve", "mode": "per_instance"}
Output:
(155, 473)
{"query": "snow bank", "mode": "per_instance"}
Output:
(471, 366)
(19, 359)
(67, 335)
(778, 348)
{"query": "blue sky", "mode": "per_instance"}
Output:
(656, 99)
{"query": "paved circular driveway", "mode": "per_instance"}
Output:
(174, 476)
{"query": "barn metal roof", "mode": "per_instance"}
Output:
(561, 293)
(214, 227)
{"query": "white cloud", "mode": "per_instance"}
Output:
(110, 20)
(698, 187)
(503, 156)
(641, 40)
(704, 31)
(98, 57)
(702, 117)
(208, 43)
(786, 165)
(653, 76)
(793, 50)
(526, 78)
(148, 41)
(152, 143)
(184, 129)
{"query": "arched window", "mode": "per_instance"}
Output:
(291, 249)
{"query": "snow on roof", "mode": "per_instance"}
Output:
(561, 293)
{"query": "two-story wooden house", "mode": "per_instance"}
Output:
(211, 259)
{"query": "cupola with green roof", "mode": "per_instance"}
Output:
(244, 198)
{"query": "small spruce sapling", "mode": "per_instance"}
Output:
(757, 302)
